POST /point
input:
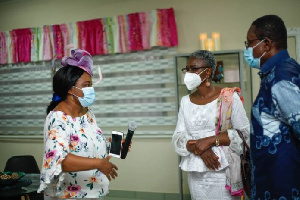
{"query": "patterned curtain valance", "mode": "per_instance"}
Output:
(103, 36)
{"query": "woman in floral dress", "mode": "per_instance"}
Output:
(76, 162)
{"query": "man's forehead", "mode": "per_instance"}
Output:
(251, 32)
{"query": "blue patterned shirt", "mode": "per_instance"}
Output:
(275, 131)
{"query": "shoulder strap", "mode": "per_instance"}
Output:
(244, 141)
(219, 121)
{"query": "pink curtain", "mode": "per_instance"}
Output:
(47, 47)
(91, 36)
(172, 27)
(22, 45)
(3, 49)
(64, 28)
(166, 28)
(58, 42)
(145, 27)
(123, 30)
(119, 34)
(134, 32)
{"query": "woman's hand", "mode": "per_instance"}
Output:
(210, 159)
(122, 142)
(108, 168)
(203, 144)
(190, 145)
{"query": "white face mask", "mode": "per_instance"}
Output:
(193, 80)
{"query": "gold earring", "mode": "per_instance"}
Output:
(207, 83)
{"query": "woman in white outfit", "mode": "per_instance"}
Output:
(206, 137)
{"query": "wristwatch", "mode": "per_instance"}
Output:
(217, 143)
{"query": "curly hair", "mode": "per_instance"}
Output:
(272, 27)
(207, 56)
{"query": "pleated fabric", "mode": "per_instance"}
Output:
(73, 35)
(34, 45)
(3, 49)
(65, 32)
(134, 32)
(145, 27)
(123, 36)
(58, 42)
(47, 47)
(9, 46)
(21, 45)
(110, 35)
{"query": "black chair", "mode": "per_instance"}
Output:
(26, 164)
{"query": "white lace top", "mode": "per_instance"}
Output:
(198, 121)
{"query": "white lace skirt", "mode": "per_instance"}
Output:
(209, 186)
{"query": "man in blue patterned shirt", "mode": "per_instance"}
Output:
(275, 117)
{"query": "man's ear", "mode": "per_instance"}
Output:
(269, 44)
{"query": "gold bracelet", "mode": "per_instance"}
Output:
(217, 143)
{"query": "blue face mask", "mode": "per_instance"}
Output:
(249, 58)
(89, 96)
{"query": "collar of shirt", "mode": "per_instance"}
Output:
(271, 63)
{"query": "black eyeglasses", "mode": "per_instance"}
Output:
(191, 69)
(247, 44)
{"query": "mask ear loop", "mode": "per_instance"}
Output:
(200, 76)
(202, 73)
(259, 43)
(78, 89)
(262, 55)
(73, 94)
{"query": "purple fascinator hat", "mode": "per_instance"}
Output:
(81, 59)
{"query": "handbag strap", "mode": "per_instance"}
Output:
(244, 141)
(219, 122)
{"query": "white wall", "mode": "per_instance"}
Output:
(152, 164)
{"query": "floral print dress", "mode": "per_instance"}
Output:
(82, 137)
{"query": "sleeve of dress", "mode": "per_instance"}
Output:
(180, 136)
(239, 121)
(286, 98)
(56, 148)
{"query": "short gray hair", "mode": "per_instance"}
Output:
(207, 56)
